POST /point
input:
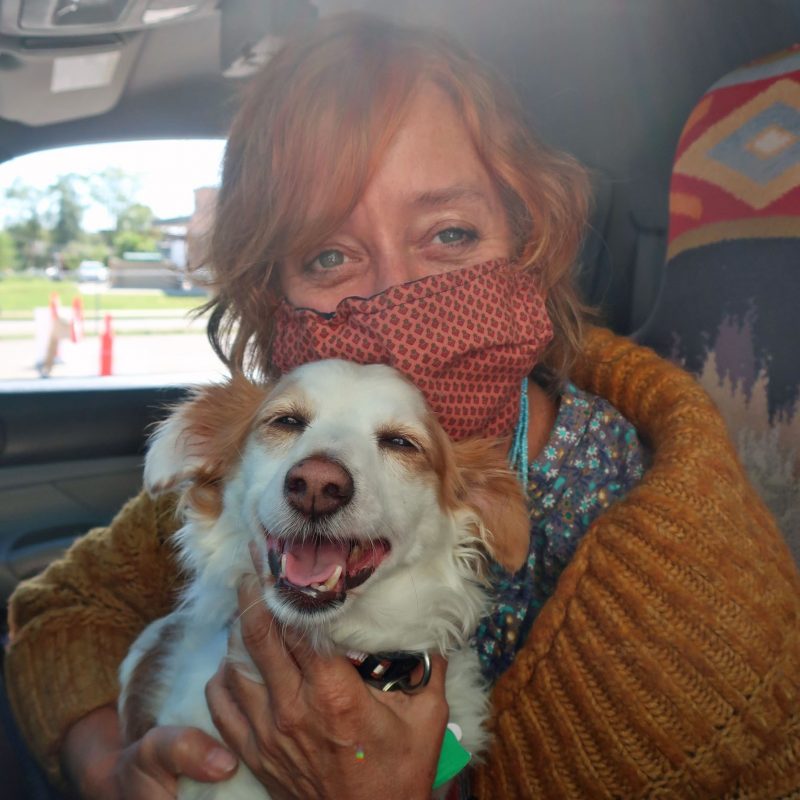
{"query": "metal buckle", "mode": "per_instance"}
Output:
(403, 683)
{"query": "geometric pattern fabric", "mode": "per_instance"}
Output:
(737, 165)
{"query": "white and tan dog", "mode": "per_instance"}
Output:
(372, 522)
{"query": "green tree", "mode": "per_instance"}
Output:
(114, 189)
(24, 201)
(135, 230)
(8, 251)
(133, 242)
(69, 209)
(136, 217)
(24, 210)
(32, 242)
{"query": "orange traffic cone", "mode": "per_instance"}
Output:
(106, 346)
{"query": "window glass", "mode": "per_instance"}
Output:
(102, 262)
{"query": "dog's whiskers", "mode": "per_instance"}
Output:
(252, 605)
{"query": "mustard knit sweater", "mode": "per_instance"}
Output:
(666, 665)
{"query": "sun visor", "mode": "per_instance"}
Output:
(93, 17)
(46, 80)
(252, 31)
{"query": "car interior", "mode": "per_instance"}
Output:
(613, 82)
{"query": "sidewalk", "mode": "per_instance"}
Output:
(124, 322)
(132, 355)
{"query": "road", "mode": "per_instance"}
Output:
(123, 322)
(170, 355)
(146, 343)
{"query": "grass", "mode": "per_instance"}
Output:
(20, 295)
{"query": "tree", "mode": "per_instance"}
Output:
(32, 242)
(8, 251)
(115, 190)
(137, 218)
(69, 209)
(133, 242)
(24, 206)
(23, 201)
(135, 231)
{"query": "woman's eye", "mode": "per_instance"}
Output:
(453, 236)
(328, 259)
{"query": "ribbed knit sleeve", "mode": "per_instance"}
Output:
(667, 663)
(71, 626)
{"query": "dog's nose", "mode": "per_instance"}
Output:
(317, 486)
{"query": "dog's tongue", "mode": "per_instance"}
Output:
(309, 563)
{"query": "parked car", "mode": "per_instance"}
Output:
(92, 271)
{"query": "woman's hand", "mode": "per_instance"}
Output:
(100, 767)
(314, 729)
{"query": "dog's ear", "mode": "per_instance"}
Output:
(494, 492)
(203, 436)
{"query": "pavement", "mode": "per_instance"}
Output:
(146, 344)
(170, 356)
(124, 322)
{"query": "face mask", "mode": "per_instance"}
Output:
(466, 338)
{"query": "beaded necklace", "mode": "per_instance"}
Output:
(518, 456)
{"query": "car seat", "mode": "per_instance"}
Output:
(729, 306)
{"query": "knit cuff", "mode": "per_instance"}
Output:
(56, 677)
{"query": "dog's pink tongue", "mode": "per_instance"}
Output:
(309, 563)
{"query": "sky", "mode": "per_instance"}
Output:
(169, 171)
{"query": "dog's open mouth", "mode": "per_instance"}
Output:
(315, 575)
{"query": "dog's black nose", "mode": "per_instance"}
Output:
(317, 486)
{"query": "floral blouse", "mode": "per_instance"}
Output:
(593, 458)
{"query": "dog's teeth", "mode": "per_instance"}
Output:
(355, 552)
(330, 584)
(283, 565)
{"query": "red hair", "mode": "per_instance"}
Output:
(312, 127)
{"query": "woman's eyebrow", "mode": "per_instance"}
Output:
(442, 197)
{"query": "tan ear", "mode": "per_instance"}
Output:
(494, 492)
(203, 436)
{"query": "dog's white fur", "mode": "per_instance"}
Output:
(426, 595)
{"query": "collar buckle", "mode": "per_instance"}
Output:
(391, 672)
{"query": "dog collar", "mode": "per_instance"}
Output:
(390, 672)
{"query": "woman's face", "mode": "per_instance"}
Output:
(431, 207)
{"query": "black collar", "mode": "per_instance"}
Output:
(392, 671)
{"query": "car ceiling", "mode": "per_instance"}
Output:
(612, 81)
(572, 61)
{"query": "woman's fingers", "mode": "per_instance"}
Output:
(316, 669)
(149, 768)
(170, 751)
(242, 712)
(276, 650)
(233, 725)
(263, 638)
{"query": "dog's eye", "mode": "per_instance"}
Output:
(398, 441)
(290, 421)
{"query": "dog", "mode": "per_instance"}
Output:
(371, 525)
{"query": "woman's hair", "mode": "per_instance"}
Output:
(310, 132)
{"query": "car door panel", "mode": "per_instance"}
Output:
(68, 461)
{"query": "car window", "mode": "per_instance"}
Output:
(102, 262)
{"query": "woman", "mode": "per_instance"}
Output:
(378, 162)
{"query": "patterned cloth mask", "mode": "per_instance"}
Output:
(466, 338)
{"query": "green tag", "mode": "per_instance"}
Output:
(452, 759)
